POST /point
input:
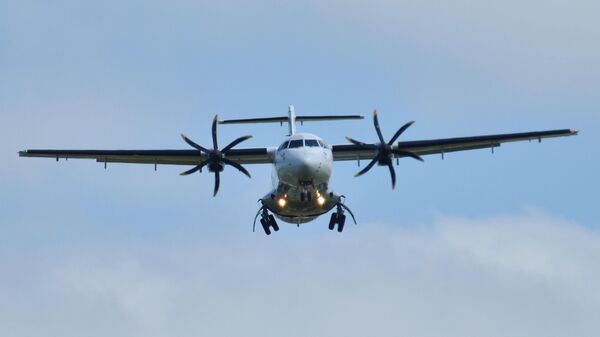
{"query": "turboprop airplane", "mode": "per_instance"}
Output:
(302, 163)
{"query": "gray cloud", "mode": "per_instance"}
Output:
(524, 275)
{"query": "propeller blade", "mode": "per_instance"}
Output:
(194, 145)
(195, 168)
(408, 154)
(356, 142)
(235, 142)
(217, 183)
(237, 166)
(385, 150)
(368, 167)
(393, 174)
(377, 128)
(400, 131)
(214, 132)
(188, 172)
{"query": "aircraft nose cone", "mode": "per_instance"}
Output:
(306, 167)
(306, 164)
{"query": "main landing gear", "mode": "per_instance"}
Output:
(266, 220)
(339, 218)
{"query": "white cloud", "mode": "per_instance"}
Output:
(524, 275)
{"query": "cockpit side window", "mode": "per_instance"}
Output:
(311, 142)
(296, 143)
(283, 146)
(322, 143)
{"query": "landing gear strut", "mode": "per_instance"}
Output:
(266, 220)
(339, 218)
(305, 196)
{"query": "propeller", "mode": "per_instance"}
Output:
(216, 160)
(385, 150)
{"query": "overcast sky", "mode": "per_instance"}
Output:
(474, 245)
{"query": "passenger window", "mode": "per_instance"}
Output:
(296, 143)
(311, 142)
(283, 146)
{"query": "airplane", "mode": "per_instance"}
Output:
(303, 163)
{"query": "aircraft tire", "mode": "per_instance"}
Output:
(273, 223)
(265, 226)
(341, 222)
(333, 221)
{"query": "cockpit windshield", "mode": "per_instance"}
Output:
(311, 143)
(283, 146)
(296, 143)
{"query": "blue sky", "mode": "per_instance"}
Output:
(477, 237)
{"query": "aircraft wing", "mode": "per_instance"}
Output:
(445, 145)
(159, 157)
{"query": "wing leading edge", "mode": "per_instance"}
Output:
(162, 157)
(266, 155)
(445, 145)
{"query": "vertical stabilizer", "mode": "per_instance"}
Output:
(292, 120)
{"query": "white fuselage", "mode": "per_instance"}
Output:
(302, 169)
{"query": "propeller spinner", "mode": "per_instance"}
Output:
(385, 150)
(216, 160)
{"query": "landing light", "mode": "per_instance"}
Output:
(282, 202)
(321, 200)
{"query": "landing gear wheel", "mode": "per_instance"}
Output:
(265, 226)
(341, 220)
(266, 220)
(339, 217)
(273, 223)
(333, 221)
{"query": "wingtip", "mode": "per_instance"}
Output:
(574, 131)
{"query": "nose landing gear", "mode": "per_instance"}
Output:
(305, 196)
(267, 221)
(339, 218)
